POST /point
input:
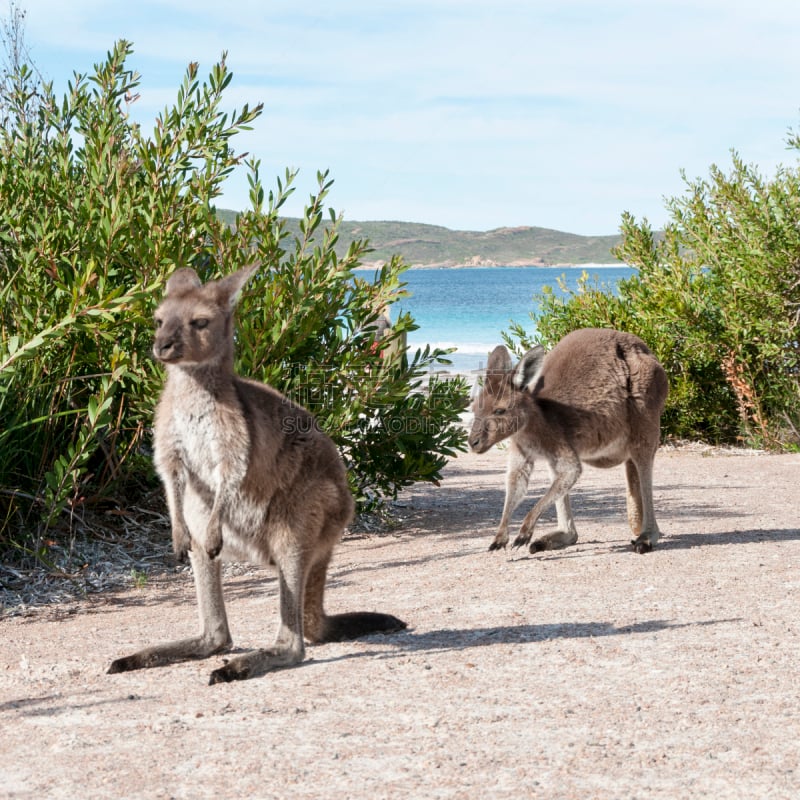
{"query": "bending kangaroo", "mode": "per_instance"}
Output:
(596, 398)
(247, 473)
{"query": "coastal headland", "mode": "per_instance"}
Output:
(422, 245)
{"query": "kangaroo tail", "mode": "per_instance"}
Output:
(340, 627)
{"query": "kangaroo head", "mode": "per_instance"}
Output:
(503, 405)
(194, 320)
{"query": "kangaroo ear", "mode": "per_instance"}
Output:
(528, 368)
(181, 281)
(499, 360)
(230, 287)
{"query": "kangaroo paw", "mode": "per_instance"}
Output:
(522, 540)
(642, 545)
(181, 545)
(182, 556)
(495, 545)
(213, 538)
(214, 549)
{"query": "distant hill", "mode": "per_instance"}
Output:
(423, 245)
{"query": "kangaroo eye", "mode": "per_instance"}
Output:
(199, 324)
(498, 412)
(159, 322)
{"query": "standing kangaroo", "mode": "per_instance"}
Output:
(246, 473)
(596, 398)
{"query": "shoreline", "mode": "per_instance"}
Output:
(372, 265)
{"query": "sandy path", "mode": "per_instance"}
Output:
(591, 672)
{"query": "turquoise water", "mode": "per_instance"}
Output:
(468, 308)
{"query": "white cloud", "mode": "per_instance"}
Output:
(467, 113)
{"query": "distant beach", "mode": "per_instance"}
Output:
(535, 264)
(468, 308)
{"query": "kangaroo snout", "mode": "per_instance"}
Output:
(168, 342)
(166, 349)
(478, 441)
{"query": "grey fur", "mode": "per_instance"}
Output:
(247, 474)
(597, 399)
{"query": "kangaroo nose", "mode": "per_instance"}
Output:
(162, 348)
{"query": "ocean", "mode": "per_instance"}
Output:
(467, 308)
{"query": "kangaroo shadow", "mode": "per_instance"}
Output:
(484, 507)
(457, 639)
(682, 541)
(44, 705)
(667, 542)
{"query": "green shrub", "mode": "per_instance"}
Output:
(717, 298)
(310, 330)
(95, 215)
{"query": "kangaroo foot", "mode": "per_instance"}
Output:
(642, 544)
(172, 652)
(231, 671)
(553, 541)
(137, 661)
(258, 662)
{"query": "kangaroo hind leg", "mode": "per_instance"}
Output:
(289, 648)
(214, 634)
(641, 514)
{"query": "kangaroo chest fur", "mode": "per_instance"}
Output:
(207, 433)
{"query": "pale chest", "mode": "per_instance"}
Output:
(209, 437)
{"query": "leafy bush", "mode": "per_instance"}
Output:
(311, 332)
(96, 215)
(717, 298)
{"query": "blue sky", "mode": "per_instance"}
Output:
(472, 115)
